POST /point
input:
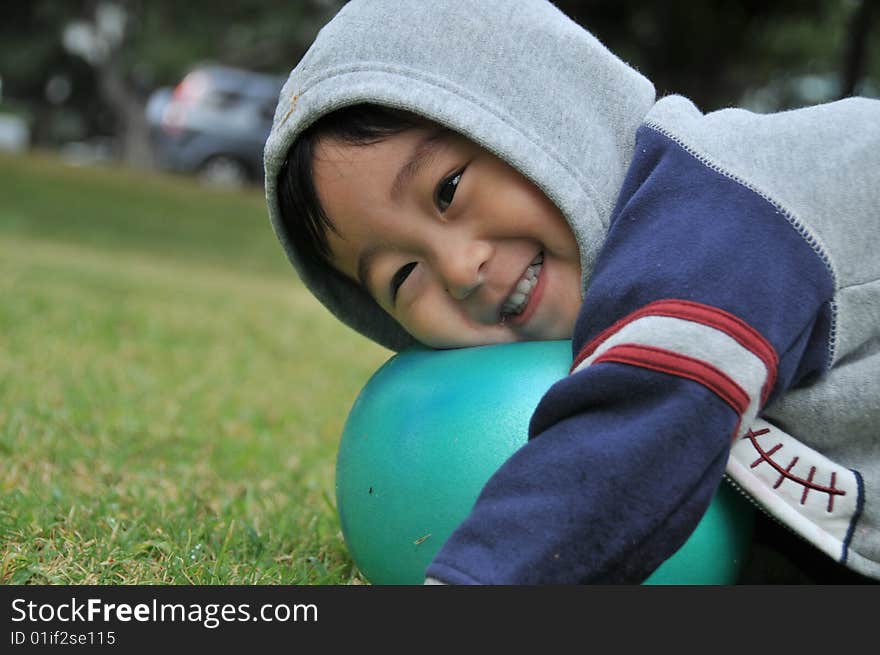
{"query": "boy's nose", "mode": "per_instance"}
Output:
(462, 291)
(462, 269)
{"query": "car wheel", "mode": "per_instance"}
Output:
(223, 171)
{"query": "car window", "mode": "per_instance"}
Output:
(220, 99)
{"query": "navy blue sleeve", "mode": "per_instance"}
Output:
(707, 301)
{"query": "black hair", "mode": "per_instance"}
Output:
(302, 215)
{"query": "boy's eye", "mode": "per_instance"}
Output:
(399, 278)
(446, 190)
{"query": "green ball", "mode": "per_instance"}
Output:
(428, 430)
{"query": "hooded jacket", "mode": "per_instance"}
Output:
(731, 279)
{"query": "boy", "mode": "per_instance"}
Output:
(462, 173)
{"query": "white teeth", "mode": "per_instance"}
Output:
(518, 300)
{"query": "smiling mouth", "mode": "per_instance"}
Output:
(522, 293)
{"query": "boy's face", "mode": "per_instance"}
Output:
(453, 243)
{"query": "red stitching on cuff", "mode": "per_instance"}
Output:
(786, 474)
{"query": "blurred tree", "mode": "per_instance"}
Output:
(117, 51)
(713, 52)
(861, 22)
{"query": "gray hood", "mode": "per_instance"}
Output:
(518, 78)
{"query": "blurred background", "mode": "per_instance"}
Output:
(190, 86)
(171, 398)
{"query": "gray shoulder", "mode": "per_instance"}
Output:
(820, 165)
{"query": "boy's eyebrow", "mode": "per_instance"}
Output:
(424, 150)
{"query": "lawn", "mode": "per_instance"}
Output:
(171, 398)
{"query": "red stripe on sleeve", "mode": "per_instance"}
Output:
(737, 329)
(667, 361)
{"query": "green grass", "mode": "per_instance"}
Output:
(171, 398)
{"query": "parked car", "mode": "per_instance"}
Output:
(214, 123)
